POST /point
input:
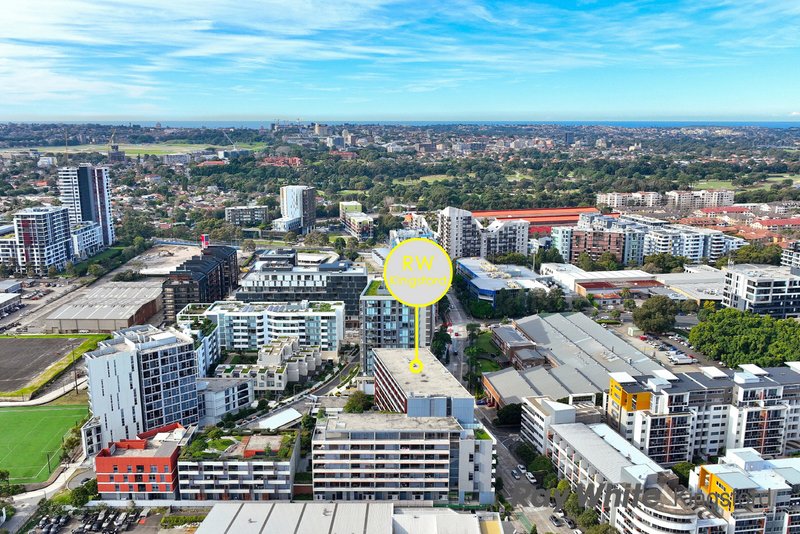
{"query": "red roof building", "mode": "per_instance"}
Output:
(539, 218)
(141, 469)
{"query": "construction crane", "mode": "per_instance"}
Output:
(229, 140)
(111, 141)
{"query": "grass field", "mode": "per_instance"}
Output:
(158, 149)
(29, 434)
(484, 343)
(724, 184)
(488, 366)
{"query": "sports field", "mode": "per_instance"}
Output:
(28, 434)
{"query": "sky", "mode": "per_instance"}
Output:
(455, 60)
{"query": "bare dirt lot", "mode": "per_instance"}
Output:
(161, 259)
(22, 360)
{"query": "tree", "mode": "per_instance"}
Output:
(689, 306)
(95, 270)
(248, 245)
(664, 263)
(69, 269)
(290, 237)
(79, 496)
(533, 530)
(572, 506)
(526, 453)
(682, 469)
(706, 311)
(656, 315)
(52, 272)
(511, 414)
(615, 314)
(629, 304)
(359, 402)
(473, 329)
(588, 519)
(585, 262)
(339, 243)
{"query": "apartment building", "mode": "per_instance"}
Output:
(387, 323)
(280, 363)
(596, 460)
(385, 457)
(205, 278)
(41, 240)
(562, 241)
(298, 209)
(752, 494)
(595, 243)
(143, 468)
(621, 200)
(462, 235)
(790, 257)
(763, 289)
(539, 413)
(247, 215)
(87, 240)
(217, 397)
(705, 198)
(458, 233)
(433, 392)
(86, 192)
(142, 379)
(284, 281)
(674, 418)
(251, 325)
(256, 467)
(359, 225)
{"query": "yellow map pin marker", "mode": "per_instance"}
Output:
(417, 272)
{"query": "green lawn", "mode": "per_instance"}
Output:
(723, 184)
(29, 434)
(158, 149)
(487, 366)
(485, 344)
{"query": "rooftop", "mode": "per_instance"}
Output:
(374, 421)
(434, 380)
(114, 300)
(770, 272)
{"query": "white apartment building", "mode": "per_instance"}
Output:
(86, 192)
(385, 457)
(220, 396)
(674, 418)
(599, 461)
(762, 495)
(206, 343)
(142, 379)
(620, 200)
(298, 209)
(42, 239)
(461, 235)
(763, 289)
(539, 413)
(251, 325)
(458, 233)
(705, 198)
(433, 392)
(87, 240)
(253, 468)
(562, 240)
(693, 243)
(280, 363)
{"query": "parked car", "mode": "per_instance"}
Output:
(530, 477)
(556, 521)
(570, 523)
(515, 474)
(521, 468)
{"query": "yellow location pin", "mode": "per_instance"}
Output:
(417, 272)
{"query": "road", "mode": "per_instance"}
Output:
(459, 319)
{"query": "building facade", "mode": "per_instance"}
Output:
(205, 278)
(142, 379)
(763, 289)
(247, 215)
(86, 192)
(41, 239)
(386, 323)
(298, 209)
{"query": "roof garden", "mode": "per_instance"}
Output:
(215, 444)
(373, 288)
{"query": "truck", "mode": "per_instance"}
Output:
(681, 359)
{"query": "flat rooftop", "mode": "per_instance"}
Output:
(115, 300)
(371, 421)
(434, 380)
(771, 272)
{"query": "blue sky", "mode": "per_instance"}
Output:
(391, 60)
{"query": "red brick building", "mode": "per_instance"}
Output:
(596, 242)
(141, 469)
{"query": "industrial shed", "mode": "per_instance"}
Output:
(107, 308)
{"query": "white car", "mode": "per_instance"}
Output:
(521, 469)
(530, 477)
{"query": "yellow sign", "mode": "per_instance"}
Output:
(417, 272)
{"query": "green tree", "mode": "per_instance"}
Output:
(339, 243)
(69, 269)
(706, 311)
(79, 497)
(664, 263)
(689, 306)
(358, 402)
(95, 270)
(682, 469)
(525, 452)
(52, 272)
(510, 414)
(629, 304)
(290, 237)
(572, 507)
(656, 315)
(588, 518)
(248, 245)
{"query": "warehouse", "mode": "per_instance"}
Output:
(9, 302)
(107, 308)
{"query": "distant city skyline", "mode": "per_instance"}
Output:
(384, 60)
